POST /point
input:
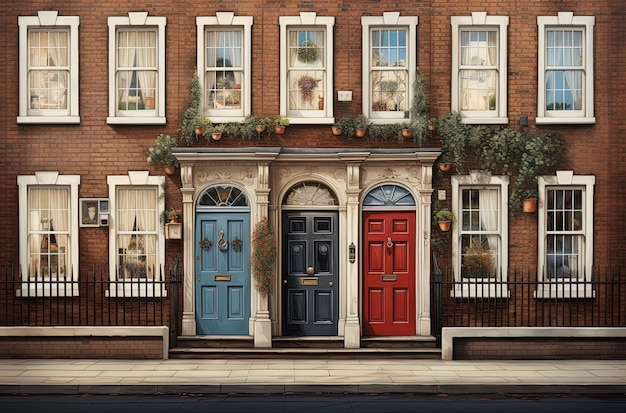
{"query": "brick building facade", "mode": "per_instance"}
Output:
(352, 216)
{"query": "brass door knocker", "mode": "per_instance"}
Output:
(222, 244)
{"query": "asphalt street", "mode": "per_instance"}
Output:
(314, 403)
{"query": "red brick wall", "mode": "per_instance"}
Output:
(94, 149)
(82, 347)
(540, 348)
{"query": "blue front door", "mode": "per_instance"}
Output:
(222, 273)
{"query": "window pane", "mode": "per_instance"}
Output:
(389, 90)
(564, 241)
(307, 75)
(224, 71)
(137, 238)
(48, 238)
(48, 69)
(136, 74)
(564, 74)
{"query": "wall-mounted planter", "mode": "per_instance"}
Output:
(529, 205)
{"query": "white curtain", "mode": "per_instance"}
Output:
(565, 52)
(489, 216)
(147, 60)
(478, 84)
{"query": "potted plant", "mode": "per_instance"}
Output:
(407, 130)
(444, 218)
(161, 153)
(432, 124)
(337, 129)
(360, 125)
(201, 124)
(529, 200)
(477, 259)
(280, 123)
(216, 131)
(444, 163)
(263, 256)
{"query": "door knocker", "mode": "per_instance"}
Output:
(389, 243)
(222, 244)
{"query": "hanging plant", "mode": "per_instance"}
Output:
(263, 256)
(236, 243)
(307, 85)
(307, 52)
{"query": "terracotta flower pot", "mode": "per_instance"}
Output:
(360, 132)
(444, 225)
(199, 130)
(336, 130)
(407, 133)
(445, 166)
(216, 136)
(279, 129)
(260, 128)
(169, 169)
(529, 205)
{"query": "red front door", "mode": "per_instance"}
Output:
(389, 274)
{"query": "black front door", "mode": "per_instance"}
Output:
(310, 279)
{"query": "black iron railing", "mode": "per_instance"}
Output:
(523, 301)
(91, 300)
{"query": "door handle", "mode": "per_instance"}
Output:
(330, 283)
(310, 270)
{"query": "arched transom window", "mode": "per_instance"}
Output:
(223, 196)
(389, 195)
(310, 193)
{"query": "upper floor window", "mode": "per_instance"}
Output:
(306, 68)
(480, 236)
(48, 234)
(137, 245)
(136, 69)
(48, 68)
(565, 235)
(224, 65)
(389, 63)
(479, 68)
(565, 69)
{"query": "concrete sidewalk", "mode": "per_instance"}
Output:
(278, 376)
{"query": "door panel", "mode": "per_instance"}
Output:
(389, 273)
(310, 279)
(222, 273)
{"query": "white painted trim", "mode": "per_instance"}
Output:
(49, 18)
(150, 117)
(308, 19)
(566, 20)
(154, 331)
(387, 20)
(448, 334)
(227, 20)
(475, 20)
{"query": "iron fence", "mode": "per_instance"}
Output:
(524, 301)
(92, 300)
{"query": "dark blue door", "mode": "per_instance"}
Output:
(222, 273)
(310, 273)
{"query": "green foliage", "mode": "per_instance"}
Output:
(161, 153)
(521, 154)
(186, 133)
(418, 112)
(263, 256)
(280, 120)
(444, 214)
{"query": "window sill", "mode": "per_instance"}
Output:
(48, 289)
(485, 121)
(564, 121)
(311, 121)
(480, 289)
(136, 288)
(117, 120)
(565, 291)
(48, 119)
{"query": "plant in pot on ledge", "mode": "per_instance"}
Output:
(280, 122)
(360, 125)
(161, 153)
(444, 218)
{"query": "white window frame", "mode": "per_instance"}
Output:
(557, 287)
(307, 20)
(63, 286)
(137, 20)
(48, 19)
(567, 21)
(388, 21)
(144, 288)
(481, 21)
(227, 21)
(480, 287)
